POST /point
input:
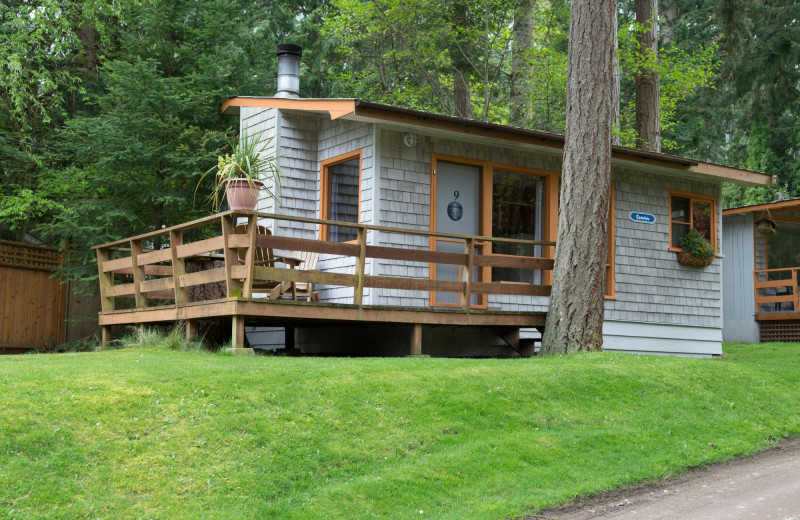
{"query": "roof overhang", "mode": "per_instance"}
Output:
(354, 109)
(777, 206)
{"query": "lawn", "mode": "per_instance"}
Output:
(160, 433)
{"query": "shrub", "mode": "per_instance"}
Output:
(694, 243)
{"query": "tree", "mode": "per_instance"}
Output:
(521, 104)
(575, 317)
(648, 98)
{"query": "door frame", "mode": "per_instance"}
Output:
(484, 223)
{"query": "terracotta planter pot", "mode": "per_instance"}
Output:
(694, 261)
(240, 195)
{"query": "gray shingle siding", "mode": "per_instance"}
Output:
(652, 287)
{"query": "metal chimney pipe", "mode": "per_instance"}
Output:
(289, 70)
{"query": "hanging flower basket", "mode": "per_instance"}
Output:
(766, 226)
(694, 260)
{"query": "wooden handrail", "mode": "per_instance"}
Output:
(162, 273)
(792, 295)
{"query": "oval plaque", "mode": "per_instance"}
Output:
(644, 218)
(455, 210)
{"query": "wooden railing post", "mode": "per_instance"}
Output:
(231, 258)
(250, 256)
(358, 293)
(178, 267)
(794, 290)
(466, 274)
(106, 280)
(138, 274)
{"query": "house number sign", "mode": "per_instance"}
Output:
(644, 218)
(454, 210)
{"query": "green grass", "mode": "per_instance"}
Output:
(161, 433)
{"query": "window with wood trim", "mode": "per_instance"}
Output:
(691, 211)
(340, 197)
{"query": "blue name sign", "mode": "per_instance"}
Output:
(644, 218)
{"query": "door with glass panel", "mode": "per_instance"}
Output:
(517, 212)
(458, 211)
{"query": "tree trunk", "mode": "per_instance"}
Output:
(615, 92)
(521, 66)
(575, 317)
(648, 97)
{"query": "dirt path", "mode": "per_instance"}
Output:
(764, 486)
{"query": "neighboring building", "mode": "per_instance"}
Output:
(760, 272)
(356, 161)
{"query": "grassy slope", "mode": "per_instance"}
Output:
(155, 433)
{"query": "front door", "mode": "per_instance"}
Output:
(458, 211)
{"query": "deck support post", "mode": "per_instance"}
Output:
(105, 340)
(288, 337)
(191, 331)
(237, 332)
(416, 339)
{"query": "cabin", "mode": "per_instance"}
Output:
(761, 245)
(435, 236)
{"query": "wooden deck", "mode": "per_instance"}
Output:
(144, 279)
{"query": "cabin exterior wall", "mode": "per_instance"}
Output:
(660, 306)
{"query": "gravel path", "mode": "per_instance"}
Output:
(763, 486)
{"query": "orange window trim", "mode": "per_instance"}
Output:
(693, 197)
(325, 188)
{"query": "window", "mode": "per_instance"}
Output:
(340, 196)
(517, 204)
(690, 211)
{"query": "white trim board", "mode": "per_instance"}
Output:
(654, 338)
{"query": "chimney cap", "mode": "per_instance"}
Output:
(289, 48)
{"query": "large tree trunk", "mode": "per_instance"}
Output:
(521, 65)
(615, 92)
(575, 318)
(648, 94)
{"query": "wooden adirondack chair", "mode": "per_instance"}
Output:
(264, 257)
(308, 263)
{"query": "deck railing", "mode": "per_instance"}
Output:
(151, 268)
(775, 290)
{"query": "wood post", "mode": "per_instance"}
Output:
(794, 290)
(106, 280)
(416, 339)
(250, 256)
(191, 331)
(358, 293)
(138, 274)
(178, 269)
(466, 274)
(237, 332)
(105, 335)
(231, 258)
(288, 337)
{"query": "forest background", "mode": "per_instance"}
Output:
(110, 109)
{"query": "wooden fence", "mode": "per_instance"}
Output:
(33, 305)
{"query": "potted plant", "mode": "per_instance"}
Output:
(243, 173)
(697, 251)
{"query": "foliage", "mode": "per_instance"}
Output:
(694, 244)
(250, 160)
(146, 433)
(681, 73)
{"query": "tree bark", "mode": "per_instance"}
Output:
(615, 92)
(648, 96)
(521, 65)
(575, 317)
